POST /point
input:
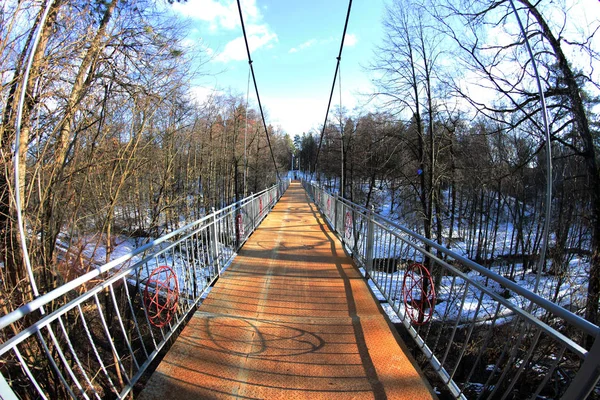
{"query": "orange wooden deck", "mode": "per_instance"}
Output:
(292, 318)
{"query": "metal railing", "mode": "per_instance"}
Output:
(95, 336)
(482, 334)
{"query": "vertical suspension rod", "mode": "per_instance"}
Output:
(337, 67)
(256, 88)
(548, 208)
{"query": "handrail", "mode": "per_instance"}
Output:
(574, 319)
(469, 301)
(101, 341)
(61, 290)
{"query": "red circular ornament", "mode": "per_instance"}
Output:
(161, 296)
(240, 226)
(348, 225)
(419, 294)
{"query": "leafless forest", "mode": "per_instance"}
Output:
(112, 144)
(466, 162)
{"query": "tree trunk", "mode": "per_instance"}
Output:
(589, 154)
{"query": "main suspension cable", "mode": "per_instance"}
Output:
(256, 88)
(17, 155)
(337, 67)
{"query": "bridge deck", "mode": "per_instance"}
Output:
(291, 318)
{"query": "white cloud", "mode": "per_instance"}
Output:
(308, 44)
(300, 114)
(258, 36)
(350, 39)
(224, 16)
(296, 114)
(203, 93)
(303, 46)
(220, 14)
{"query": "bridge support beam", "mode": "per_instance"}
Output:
(586, 379)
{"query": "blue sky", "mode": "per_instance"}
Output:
(294, 46)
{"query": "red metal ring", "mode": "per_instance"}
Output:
(418, 294)
(161, 296)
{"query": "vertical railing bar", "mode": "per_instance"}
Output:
(450, 302)
(175, 320)
(208, 252)
(379, 252)
(550, 372)
(398, 276)
(76, 358)
(135, 321)
(368, 239)
(418, 329)
(182, 279)
(89, 335)
(192, 257)
(221, 246)
(468, 337)
(197, 255)
(28, 373)
(53, 363)
(395, 275)
(64, 361)
(158, 263)
(462, 305)
(127, 342)
(149, 324)
(176, 262)
(202, 256)
(112, 344)
(485, 343)
(201, 270)
(6, 389)
(506, 349)
(214, 246)
(388, 257)
(513, 356)
(524, 363)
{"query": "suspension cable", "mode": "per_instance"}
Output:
(342, 185)
(256, 89)
(548, 208)
(245, 135)
(17, 155)
(337, 67)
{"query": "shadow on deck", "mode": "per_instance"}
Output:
(292, 317)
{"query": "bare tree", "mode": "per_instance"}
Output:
(504, 67)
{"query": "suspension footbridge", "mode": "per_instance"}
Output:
(292, 317)
(261, 300)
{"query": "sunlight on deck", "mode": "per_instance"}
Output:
(291, 318)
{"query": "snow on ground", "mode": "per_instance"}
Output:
(190, 260)
(459, 301)
(455, 299)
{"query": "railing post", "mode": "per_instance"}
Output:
(370, 243)
(6, 390)
(588, 375)
(237, 221)
(215, 246)
(335, 213)
(252, 211)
